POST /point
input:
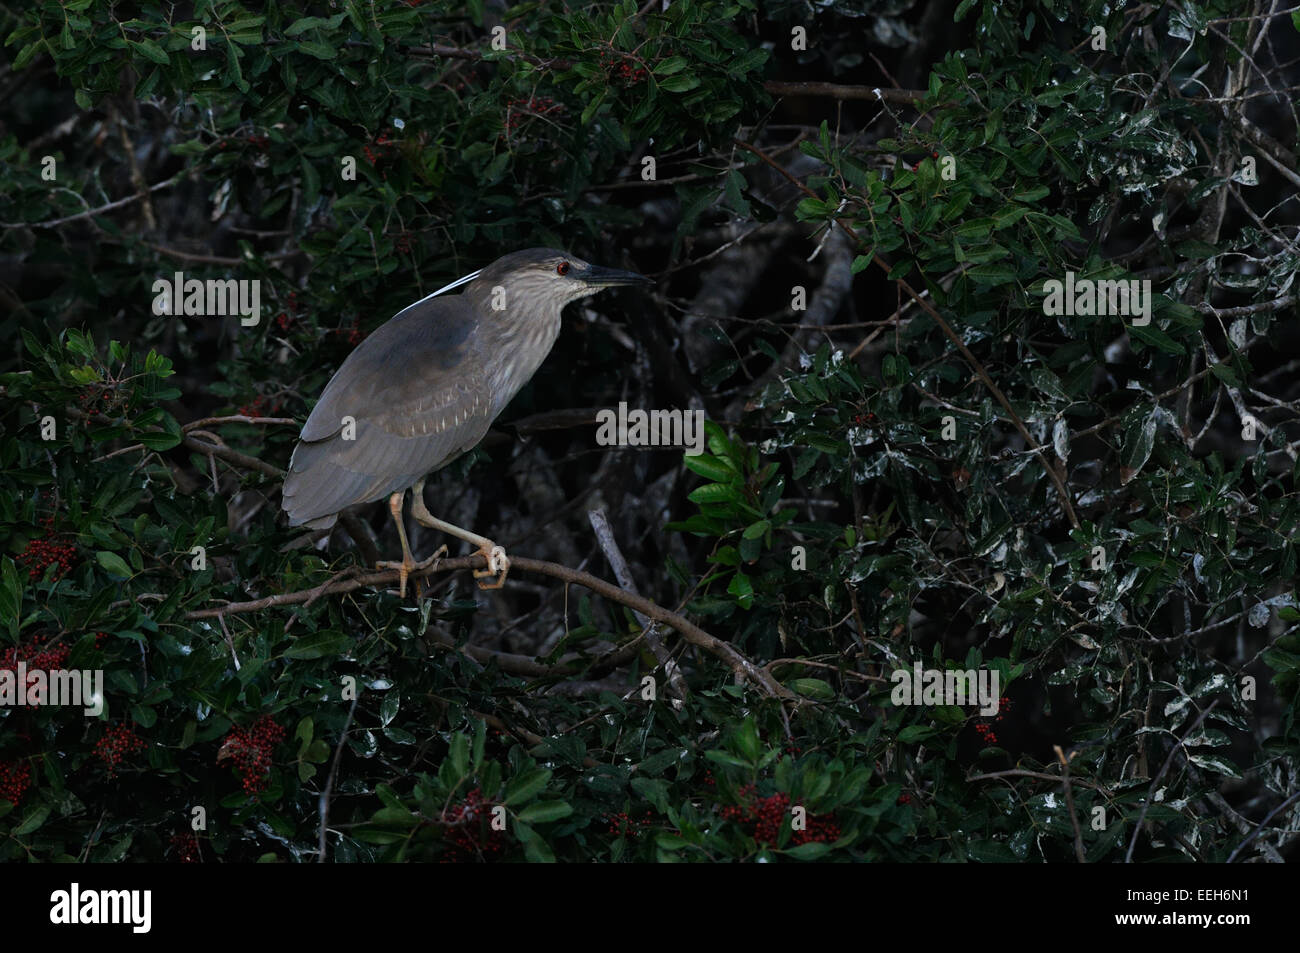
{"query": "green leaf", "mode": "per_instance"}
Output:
(525, 785)
(1215, 763)
(674, 64)
(710, 467)
(917, 733)
(317, 645)
(113, 564)
(159, 441)
(543, 812)
(1139, 439)
(743, 589)
(459, 754)
(319, 50)
(311, 23)
(536, 850)
(680, 83)
(714, 493)
(1032, 195)
(1225, 373)
(1150, 334)
(152, 51)
(993, 273)
(11, 595)
(812, 688)
(746, 740)
(809, 851)
(389, 706)
(34, 819)
(726, 758)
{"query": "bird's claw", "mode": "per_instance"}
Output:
(405, 568)
(498, 565)
(434, 559)
(403, 571)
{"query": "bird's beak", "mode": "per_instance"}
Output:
(597, 277)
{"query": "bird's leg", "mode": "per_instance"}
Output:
(497, 560)
(408, 561)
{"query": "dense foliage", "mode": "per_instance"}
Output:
(909, 458)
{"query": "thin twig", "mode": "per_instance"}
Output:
(608, 545)
(1069, 804)
(92, 212)
(233, 457)
(875, 94)
(329, 781)
(238, 419)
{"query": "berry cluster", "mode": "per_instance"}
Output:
(186, 846)
(286, 318)
(984, 728)
(403, 243)
(381, 150)
(117, 743)
(616, 67)
(100, 394)
(904, 799)
(470, 78)
(763, 817)
(518, 110)
(622, 825)
(351, 332)
(261, 142)
(15, 777)
(259, 407)
(46, 551)
(864, 420)
(467, 831)
(36, 656)
(250, 749)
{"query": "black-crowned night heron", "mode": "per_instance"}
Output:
(424, 388)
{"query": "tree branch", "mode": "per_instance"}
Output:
(739, 664)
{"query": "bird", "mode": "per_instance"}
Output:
(424, 388)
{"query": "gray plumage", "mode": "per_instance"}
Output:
(426, 385)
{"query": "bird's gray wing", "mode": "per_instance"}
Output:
(409, 397)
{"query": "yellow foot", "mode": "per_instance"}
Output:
(403, 570)
(498, 566)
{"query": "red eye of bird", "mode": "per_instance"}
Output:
(562, 268)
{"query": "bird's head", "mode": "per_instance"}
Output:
(543, 280)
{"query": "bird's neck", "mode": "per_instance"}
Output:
(515, 350)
